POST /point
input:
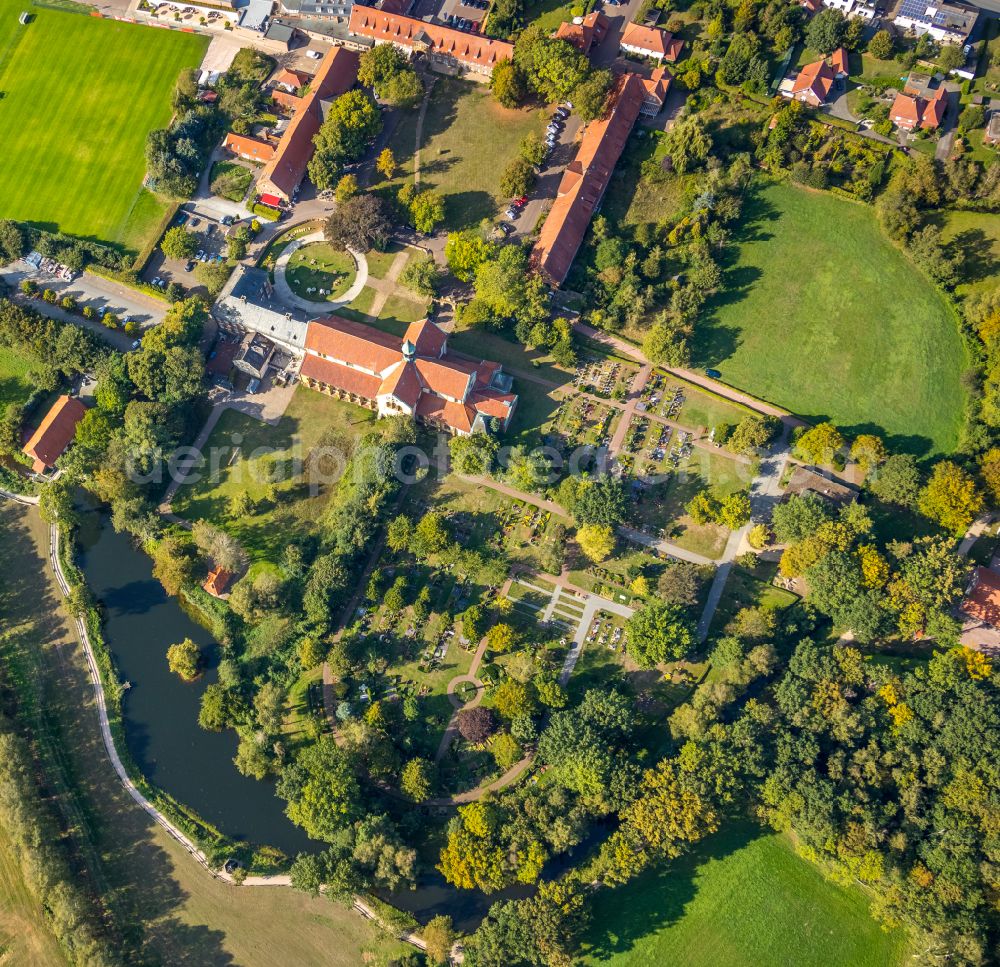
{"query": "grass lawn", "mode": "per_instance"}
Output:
(169, 909)
(468, 139)
(15, 382)
(24, 936)
(744, 590)
(318, 266)
(821, 314)
(661, 507)
(379, 263)
(264, 451)
(80, 96)
(742, 897)
(237, 192)
(976, 238)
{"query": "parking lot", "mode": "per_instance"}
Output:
(463, 14)
(541, 196)
(211, 234)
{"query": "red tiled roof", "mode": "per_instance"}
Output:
(290, 102)
(290, 78)
(409, 32)
(652, 39)
(217, 581)
(54, 433)
(658, 84)
(403, 383)
(493, 404)
(456, 415)
(585, 34)
(429, 338)
(444, 389)
(353, 342)
(816, 79)
(905, 109)
(933, 113)
(443, 378)
(337, 74)
(246, 147)
(586, 178)
(983, 600)
(340, 377)
(838, 61)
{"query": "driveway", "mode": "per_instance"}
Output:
(92, 290)
(544, 192)
(606, 53)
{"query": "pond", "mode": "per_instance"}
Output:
(160, 711)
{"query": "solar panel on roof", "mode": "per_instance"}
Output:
(914, 9)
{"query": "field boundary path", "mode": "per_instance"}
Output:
(358, 904)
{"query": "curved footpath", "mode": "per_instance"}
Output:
(130, 787)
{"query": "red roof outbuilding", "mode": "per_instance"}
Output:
(55, 433)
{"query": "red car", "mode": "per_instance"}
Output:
(523, 200)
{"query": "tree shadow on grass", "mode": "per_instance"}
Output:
(657, 899)
(715, 342)
(110, 840)
(466, 209)
(972, 250)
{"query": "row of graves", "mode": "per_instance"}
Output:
(661, 397)
(581, 421)
(607, 630)
(605, 377)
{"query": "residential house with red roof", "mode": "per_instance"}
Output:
(584, 32)
(283, 174)
(813, 84)
(982, 601)
(909, 113)
(446, 49)
(586, 178)
(651, 42)
(290, 80)
(217, 582)
(249, 149)
(414, 376)
(55, 433)
(657, 86)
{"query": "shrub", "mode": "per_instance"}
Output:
(267, 212)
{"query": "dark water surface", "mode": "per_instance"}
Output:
(161, 711)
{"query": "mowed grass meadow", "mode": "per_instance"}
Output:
(821, 314)
(80, 94)
(743, 897)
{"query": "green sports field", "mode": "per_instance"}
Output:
(821, 314)
(743, 897)
(79, 96)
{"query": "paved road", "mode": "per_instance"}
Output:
(765, 492)
(92, 290)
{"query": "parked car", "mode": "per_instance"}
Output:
(713, 374)
(228, 219)
(136, 343)
(211, 228)
(189, 266)
(314, 54)
(195, 222)
(511, 213)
